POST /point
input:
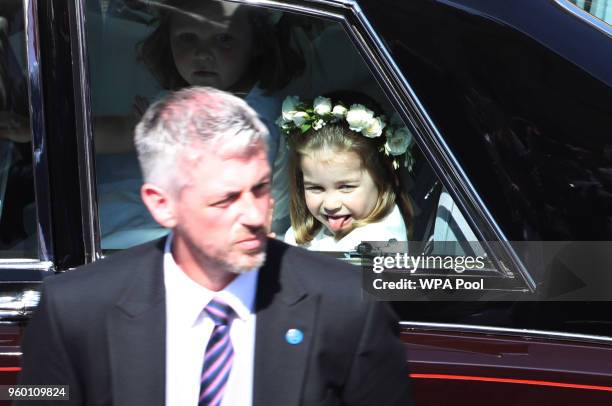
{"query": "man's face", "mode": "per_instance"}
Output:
(222, 214)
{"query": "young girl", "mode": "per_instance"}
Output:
(219, 44)
(343, 176)
(235, 48)
(241, 49)
(225, 46)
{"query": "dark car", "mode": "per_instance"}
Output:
(509, 104)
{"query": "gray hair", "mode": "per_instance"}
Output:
(194, 119)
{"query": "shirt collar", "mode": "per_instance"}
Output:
(192, 297)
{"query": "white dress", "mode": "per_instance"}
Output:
(391, 227)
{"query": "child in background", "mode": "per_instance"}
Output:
(343, 177)
(235, 48)
(203, 43)
(219, 44)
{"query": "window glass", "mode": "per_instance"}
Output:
(529, 127)
(383, 191)
(509, 114)
(17, 210)
(601, 9)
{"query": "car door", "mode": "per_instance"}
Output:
(475, 83)
(524, 108)
(41, 228)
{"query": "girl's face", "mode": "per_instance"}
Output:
(211, 44)
(337, 188)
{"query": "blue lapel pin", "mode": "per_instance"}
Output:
(294, 336)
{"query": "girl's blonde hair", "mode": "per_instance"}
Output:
(340, 138)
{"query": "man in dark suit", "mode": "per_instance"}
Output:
(217, 313)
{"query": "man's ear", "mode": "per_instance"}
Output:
(160, 203)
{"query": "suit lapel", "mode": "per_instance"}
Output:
(281, 305)
(137, 335)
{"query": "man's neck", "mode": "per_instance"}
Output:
(211, 277)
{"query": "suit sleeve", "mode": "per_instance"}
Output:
(379, 373)
(45, 360)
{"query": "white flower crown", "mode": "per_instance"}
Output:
(298, 116)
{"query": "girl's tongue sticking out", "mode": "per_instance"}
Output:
(338, 223)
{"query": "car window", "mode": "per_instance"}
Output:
(529, 127)
(138, 55)
(601, 9)
(509, 116)
(17, 210)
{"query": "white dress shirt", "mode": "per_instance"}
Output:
(188, 330)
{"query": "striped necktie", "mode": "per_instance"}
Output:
(218, 357)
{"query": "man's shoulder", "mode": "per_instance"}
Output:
(317, 272)
(337, 285)
(110, 273)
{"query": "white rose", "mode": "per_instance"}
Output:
(374, 129)
(398, 141)
(322, 105)
(339, 111)
(299, 118)
(289, 107)
(282, 123)
(358, 117)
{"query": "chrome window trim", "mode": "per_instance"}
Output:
(85, 144)
(26, 264)
(583, 15)
(405, 101)
(305, 7)
(468, 328)
(39, 136)
(19, 306)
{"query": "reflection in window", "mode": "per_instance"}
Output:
(601, 9)
(17, 210)
(138, 54)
